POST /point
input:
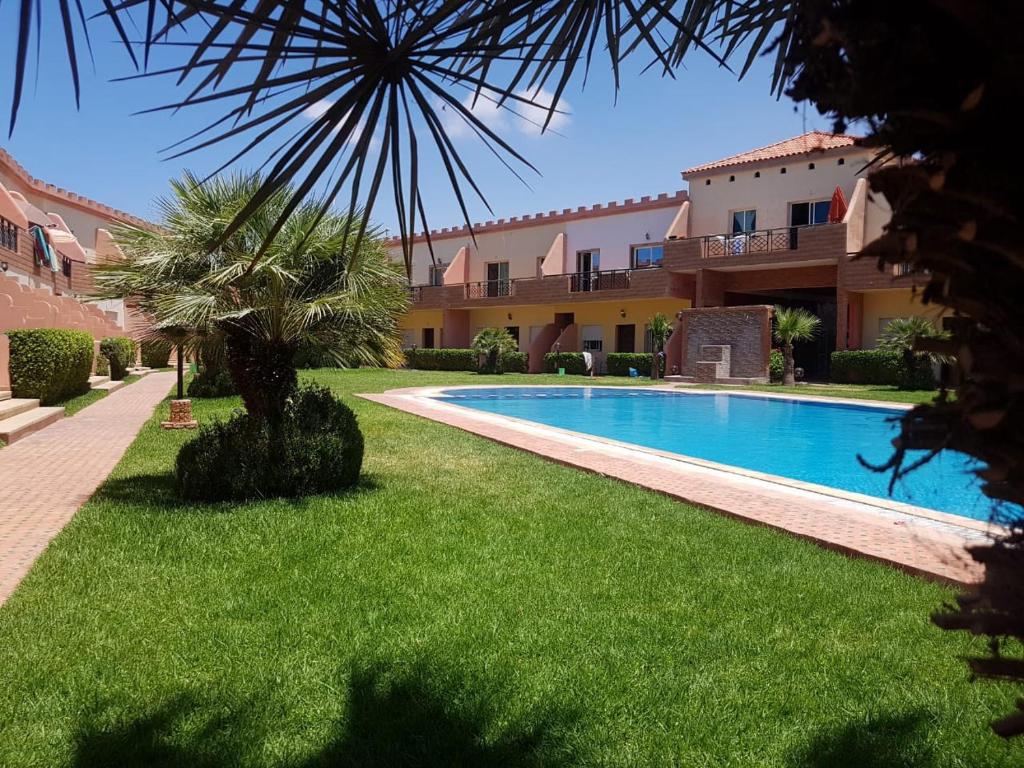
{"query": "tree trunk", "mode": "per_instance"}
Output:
(655, 367)
(264, 373)
(788, 366)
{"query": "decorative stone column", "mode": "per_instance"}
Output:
(181, 416)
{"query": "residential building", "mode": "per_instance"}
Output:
(755, 228)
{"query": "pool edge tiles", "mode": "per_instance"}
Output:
(930, 545)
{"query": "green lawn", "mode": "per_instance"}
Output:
(857, 391)
(74, 404)
(468, 605)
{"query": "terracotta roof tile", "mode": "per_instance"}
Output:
(812, 141)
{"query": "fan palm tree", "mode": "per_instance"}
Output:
(491, 344)
(312, 288)
(901, 335)
(793, 324)
(660, 329)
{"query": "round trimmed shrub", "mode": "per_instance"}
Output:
(209, 383)
(120, 353)
(317, 448)
(156, 354)
(51, 364)
(776, 363)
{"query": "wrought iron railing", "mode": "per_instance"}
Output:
(605, 280)
(757, 241)
(415, 292)
(489, 289)
(8, 235)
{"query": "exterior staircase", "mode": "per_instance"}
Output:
(21, 416)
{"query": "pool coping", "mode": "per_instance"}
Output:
(889, 525)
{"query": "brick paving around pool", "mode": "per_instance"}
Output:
(922, 542)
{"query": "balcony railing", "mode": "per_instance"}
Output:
(757, 241)
(415, 292)
(8, 235)
(606, 280)
(489, 289)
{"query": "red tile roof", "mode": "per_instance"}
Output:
(812, 141)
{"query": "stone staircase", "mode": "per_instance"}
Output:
(21, 416)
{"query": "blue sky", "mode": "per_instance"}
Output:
(602, 151)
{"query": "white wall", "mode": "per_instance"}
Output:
(615, 235)
(711, 205)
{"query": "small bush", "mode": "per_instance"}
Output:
(209, 383)
(515, 362)
(619, 363)
(102, 366)
(442, 359)
(776, 362)
(572, 362)
(318, 448)
(156, 354)
(877, 366)
(120, 353)
(51, 364)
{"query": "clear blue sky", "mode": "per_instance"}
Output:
(606, 150)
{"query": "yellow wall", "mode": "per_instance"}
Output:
(606, 314)
(414, 322)
(881, 306)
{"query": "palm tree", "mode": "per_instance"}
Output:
(793, 324)
(901, 335)
(491, 344)
(660, 329)
(313, 287)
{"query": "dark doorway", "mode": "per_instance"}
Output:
(513, 331)
(813, 356)
(564, 319)
(625, 338)
(428, 338)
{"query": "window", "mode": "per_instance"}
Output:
(811, 212)
(593, 338)
(744, 221)
(497, 278)
(883, 323)
(437, 273)
(646, 256)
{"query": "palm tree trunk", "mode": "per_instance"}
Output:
(788, 366)
(264, 373)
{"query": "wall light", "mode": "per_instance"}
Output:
(509, 315)
(622, 313)
(3, 266)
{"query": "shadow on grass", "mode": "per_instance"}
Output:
(156, 491)
(893, 741)
(404, 722)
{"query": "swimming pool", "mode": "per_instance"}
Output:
(813, 442)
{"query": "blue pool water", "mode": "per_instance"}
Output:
(813, 442)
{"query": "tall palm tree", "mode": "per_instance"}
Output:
(660, 329)
(314, 287)
(793, 324)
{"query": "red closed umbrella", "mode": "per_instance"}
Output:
(837, 208)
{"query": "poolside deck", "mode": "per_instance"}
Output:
(923, 542)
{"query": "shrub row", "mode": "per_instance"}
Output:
(619, 363)
(120, 353)
(461, 360)
(877, 366)
(572, 362)
(317, 448)
(51, 364)
(156, 354)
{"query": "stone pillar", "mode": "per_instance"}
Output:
(5, 363)
(456, 333)
(710, 289)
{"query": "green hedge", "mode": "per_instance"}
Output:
(51, 364)
(461, 360)
(877, 366)
(156, 354)
(120, 353)
(619, 363)
(571, 361)
(776, 364)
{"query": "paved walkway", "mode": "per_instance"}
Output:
(929, 544)
(46, 477)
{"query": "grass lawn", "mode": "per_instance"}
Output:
(74, 404)
(468, 605)
(858, 391)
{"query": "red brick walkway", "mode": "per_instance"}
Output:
(47, 476)
(931, 547)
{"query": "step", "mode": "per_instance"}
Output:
(95, 381)
(16, 405)
(140, 371)
(5, 394)
(24, 424)
(109, 386)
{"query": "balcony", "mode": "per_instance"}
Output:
(607, 280)
(8, 235)
(814, 244)
(490, 289)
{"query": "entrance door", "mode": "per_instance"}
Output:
(497, 278)
(625, 338)
(588, 263)
(428, 338)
